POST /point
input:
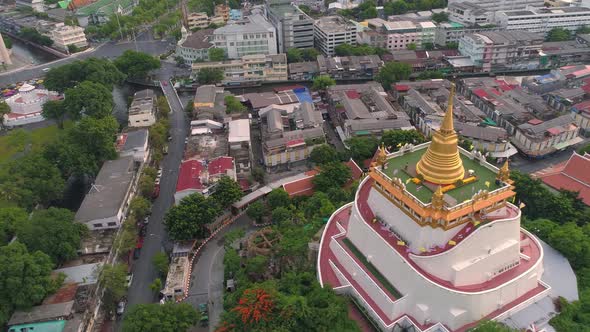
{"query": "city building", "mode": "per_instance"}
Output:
(235, 14)
(222, 10)
(571, 175)
(542, 20)
(253, 35)
(179, 271)
(452, 32)
(363, 109)
(290, 134)
(193, 47)
(239, 146)
(47, 317)
(535, 129)
(66, 36)
(332, 31)
(469, 14)
(142, 112)
(250, 69)
(401, 34)
(134, 143)
(209, 103)
(349, 67)
(27, 105)
(581, 115)
(431, 241)
(36, 5)
(316, 5)
(4, 54)
(200, 176)
(564, 53)
(105, 205)
(198, 20)
(502, 49)
(502, 5)
(294, 27)
(303, 71)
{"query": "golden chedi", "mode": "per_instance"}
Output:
(441, 164)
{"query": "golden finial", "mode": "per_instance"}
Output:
(381, 155)
(504, 173)
(447, 126)
(437, 199)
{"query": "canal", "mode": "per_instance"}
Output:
(27, 55)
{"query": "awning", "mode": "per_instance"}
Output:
(565, 144)
(362, 132)
(510, 151)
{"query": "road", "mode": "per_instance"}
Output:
(207, 278)
(156, 238)
(145, 43)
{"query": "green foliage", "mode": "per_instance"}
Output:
(558, 34)
(26, 279)
(30, 180)
(430, 74)
(163, 107)
(322, 82)
(305, 9)
(125, 241)
(96, 137)
(440, 17)
(10, 219)
(230, 237)
(257, 266)
(188, 219)
(146, 185)
(210, 76)
(318, 206)
(256, 211)
(94, 70)
(114, 280)
(73, 49)
(136, 64)
(231, 263)
(140, 207)
(394, 139)
(428, 46)
(392, 72)
(4, 109)
(88, 98)
(216, 54)
(334, 174)
(278, 198)
(169, 317)
(323, 154)
(258, 174)
(32, 35)
(362, 148)
(55, 110)
(309, 54)
(227, 191)
(452, 45)
(156, 285)
(347, 49)
(492, 326)
(54, 232)
(411, 46)
(294, 54)
(159, 134)
(281, 214)
(233, 104)
(583, 30)
(7, 42)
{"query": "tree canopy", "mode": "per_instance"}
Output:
(394, 139)
(188, 219)
(136, 64)
(362, 148)
(54, 232)
(323, 154)
(334, 174)
(10, 219)
(114, 280)
(440, 17)
(169, 317)
(210, 75)
(26, 278)
(216, 54)
(233, 104)
(55, 110)
(347, 49)
(322, 82)
(278, 198)
(88, 98)
(256, 211)
(95, 70)
(558, 34)
(392, 72)
(227, 191)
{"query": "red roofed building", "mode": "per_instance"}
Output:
(301, 187)
(573, 176)
(198, 176)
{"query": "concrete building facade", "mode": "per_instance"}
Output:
(250, 68)
(332, 31)
(294, 27)
(65, 35)
(253, 35)
(501, 5)
(542, 20)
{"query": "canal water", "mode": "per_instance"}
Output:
(30, 55)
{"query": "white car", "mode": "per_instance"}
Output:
(121, 308)
(129, 279)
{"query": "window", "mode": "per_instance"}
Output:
(97, 225)
(112, 224)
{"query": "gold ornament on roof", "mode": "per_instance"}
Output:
(381, 155)
(504, 173)
(438, 199)
(441, 164)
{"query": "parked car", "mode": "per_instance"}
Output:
(160, 172)
(165, 149)
(156, 192)
(204, 310)
(136, 253)
(121, 307)
(142, 231)
(129, 279)
(146, 220)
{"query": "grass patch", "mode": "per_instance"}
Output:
(20, 140)
(392, 290)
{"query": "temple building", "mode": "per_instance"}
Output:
(433, 240)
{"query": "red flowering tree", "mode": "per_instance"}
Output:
(254, 306)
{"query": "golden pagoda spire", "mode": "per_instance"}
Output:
(437, 198)
(441, 164)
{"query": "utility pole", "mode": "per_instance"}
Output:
(118, 22)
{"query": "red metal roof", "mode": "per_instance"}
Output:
(189, 175)
(355, 170)
(288, 88)
(481, 93)
(296, 142)
(583, 106)
(401, 87)
(301, 187)
(554, 131)
(574, 176)
(220, 165)
(535, 122)
(352, 94)
(66, 293)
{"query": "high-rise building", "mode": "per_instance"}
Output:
(542, 20)
(432, 240)
(498, 5)
(294, 27)
(253, 35)
(332, 31)
(65, 36)
(4, 56)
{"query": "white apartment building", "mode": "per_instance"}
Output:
(400, 34)
(255, 67)
(332, 31)
(254, 35)
(470, 14)
(500, 5)
(294, 27)
(142, 112)
(66, 35)
(542, 20)
(197, 20)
